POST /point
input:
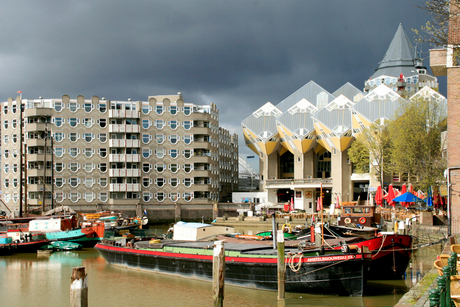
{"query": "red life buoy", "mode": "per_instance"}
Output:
(362, 220)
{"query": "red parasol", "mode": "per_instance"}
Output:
(390, 196)
(404, 190)
(378, 196)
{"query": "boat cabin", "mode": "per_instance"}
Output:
(195, 231)
(359, 215)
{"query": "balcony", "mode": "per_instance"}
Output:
(125, 143)
(35, 127)
(201, 159)
(124, 172)
(202, 187)
(34, 187)
(123, 114)
(202, 145)
(358, 176)
(35, 157)
(38, 112)
(125, 187)
(201, 173)
(124, 158)
(298, 183)
(201, 130)
(37, 142)
(124, 128)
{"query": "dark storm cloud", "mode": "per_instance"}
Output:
(237, 54)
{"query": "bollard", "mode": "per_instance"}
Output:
(281, 265)
(434, 297)
(218, 274)
(446, 271)
(454, 260)
(78, 288)
(441, 281)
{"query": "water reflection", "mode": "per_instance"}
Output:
(30, 280)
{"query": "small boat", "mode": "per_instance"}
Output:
(17, 238)
(65, 245)
(190, 254)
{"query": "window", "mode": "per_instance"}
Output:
(159, 109)
(159, 123)
(88, 107)
(174, 138)
(160, 167)
(146, 167)
(88, 166)
(88, 122)
(102, 167)
(102, 137)
(14, 138)
(104, 196)
(188, 153)
(88, 152)
(59, 166)
(160, 181)
(5, 124)
(188, 167)
(187, 110)
(146, 152)
(88, 137)
(146, 138)
(73, 106)
(6, 153)
(74, 166)
(102, 107)
(15, 168)
(73, 181)
(188, 182)
(173, 110)
(174, 182)
(145, 108)
(58, 151)
(58, 136)
(14, 123)
(102, 122)
(174, 167)
(15, 182)
(188, 196)
(74, 196)
(6, 197)
(73, 152)
(173, 124)
(103, 181)
(6, 138)
(103, 152)
(174, 196)
(89, 181)
(160, 196)
(160, 138)
(58, 106)
(188, 138)
(146, 123)
(14, 153)
(146, 196)
(88, 196)
(58, 121)
(146, 181)
(6, 182)
(59, 196)
(5, 109)
(73, 122)
(173, 153)
(73, 136)
(59, 181)
(13, 108)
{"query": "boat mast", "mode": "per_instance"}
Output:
(322, 223)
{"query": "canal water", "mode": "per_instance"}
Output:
(35, 280)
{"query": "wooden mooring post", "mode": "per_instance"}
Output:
(281, 265)
(218, 274)
(78, 288)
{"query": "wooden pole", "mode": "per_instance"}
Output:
(218, 274)
(274, 230)
(281, 265)
(78, 288)
(322, 222)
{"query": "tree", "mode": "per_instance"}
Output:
(416, 137)
(371, 150)
(442, 13)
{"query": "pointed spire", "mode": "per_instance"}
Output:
(399, 58)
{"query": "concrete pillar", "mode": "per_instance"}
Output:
(177, 213)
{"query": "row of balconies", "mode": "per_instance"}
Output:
(124, 187)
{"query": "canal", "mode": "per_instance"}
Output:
(35, 280)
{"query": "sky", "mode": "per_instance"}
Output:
(234, 53)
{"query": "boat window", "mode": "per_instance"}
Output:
(347, 210)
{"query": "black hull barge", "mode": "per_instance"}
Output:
(247, 265)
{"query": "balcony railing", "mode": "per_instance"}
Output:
(298, 183)
(124, 113)
(124, 172)
(125, 187)
(125, 143)
(124, 158)
(124, 128)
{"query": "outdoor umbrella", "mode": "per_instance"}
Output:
(407, 197)
(378, 196)
(390, 196)
(403, 190)
(429, 198)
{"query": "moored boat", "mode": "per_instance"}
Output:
(248, 265)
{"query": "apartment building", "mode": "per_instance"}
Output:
(83, 152)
